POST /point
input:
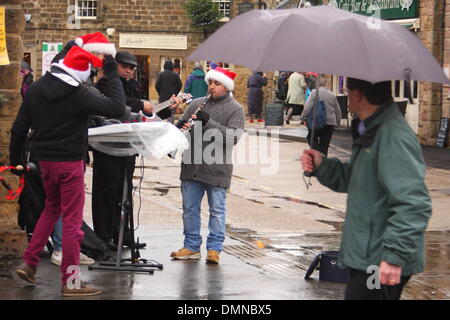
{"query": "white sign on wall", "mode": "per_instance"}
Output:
(152, 41)
(49, 51)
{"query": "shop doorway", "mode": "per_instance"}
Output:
(142, 75)
(177, 63)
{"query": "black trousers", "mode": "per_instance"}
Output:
(357, 288)
(321, 140)
(107, 194)
(297, 108)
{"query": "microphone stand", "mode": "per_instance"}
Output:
(134, 264)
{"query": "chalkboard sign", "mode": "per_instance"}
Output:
(246, 6)
(442, 132)
(274, 114)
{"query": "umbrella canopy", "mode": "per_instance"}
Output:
(322, 39)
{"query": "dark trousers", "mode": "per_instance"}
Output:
(107, 194)
(357, 288)
(321, 140)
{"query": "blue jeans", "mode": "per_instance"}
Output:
(193, 192)
(57, 235)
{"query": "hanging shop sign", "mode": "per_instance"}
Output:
(384, 9)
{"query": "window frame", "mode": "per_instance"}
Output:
(224, 19)
(77, 8)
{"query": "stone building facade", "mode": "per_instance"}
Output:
(12, 239)
(54, 21)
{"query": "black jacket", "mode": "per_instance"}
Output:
(168, 84)
(59, 112)
(133, 95)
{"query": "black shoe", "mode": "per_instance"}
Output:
(140, 245)
(110, 244)
(127, 243)
(287, 121)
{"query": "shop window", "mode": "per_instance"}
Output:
(224, 8)
(86, 9)
(399, 90)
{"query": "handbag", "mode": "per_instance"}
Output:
(326, 263)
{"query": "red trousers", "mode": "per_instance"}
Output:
(64, 188)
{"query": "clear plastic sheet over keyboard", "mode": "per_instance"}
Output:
(153, 140)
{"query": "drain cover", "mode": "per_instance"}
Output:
(269, 261)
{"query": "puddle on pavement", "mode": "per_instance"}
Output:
(148, 167)
(337, 225)
(298, 200)
(162, 190)
(285, 254)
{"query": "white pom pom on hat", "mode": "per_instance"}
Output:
(96, 43)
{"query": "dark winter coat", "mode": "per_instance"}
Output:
(168, 83)
(255, 93)
(133, 95)
(26, 83)
(59, 113)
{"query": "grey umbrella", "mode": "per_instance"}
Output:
(322, 39)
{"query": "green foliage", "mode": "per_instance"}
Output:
(204, 14)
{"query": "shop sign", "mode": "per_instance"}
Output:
(153, 41)
(384, 9)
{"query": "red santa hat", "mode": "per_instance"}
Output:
(78, 63)
(96, 42)
(223, 76)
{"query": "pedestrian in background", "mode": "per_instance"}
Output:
(168, 84)
(322, 137)
(195, 83)
(388, 205)
(310, 84)
(296, 95)
(255, 82)
(27, 77)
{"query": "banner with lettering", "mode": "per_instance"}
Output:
(384, 9)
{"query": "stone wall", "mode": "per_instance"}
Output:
(446, 88)
(12, 239)
(430, 94)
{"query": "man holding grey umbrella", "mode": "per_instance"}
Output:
(388, 205)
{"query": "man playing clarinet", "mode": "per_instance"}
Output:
(216, 123)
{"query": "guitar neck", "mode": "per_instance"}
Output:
(162, 105)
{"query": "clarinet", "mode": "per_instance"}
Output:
(190, 123)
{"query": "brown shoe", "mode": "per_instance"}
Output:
(213, 257)
(26, 272)
(185, 254)
(83, 291)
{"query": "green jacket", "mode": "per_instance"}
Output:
(196, 84)
(388, 205)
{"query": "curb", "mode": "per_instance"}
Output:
(255, 132)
